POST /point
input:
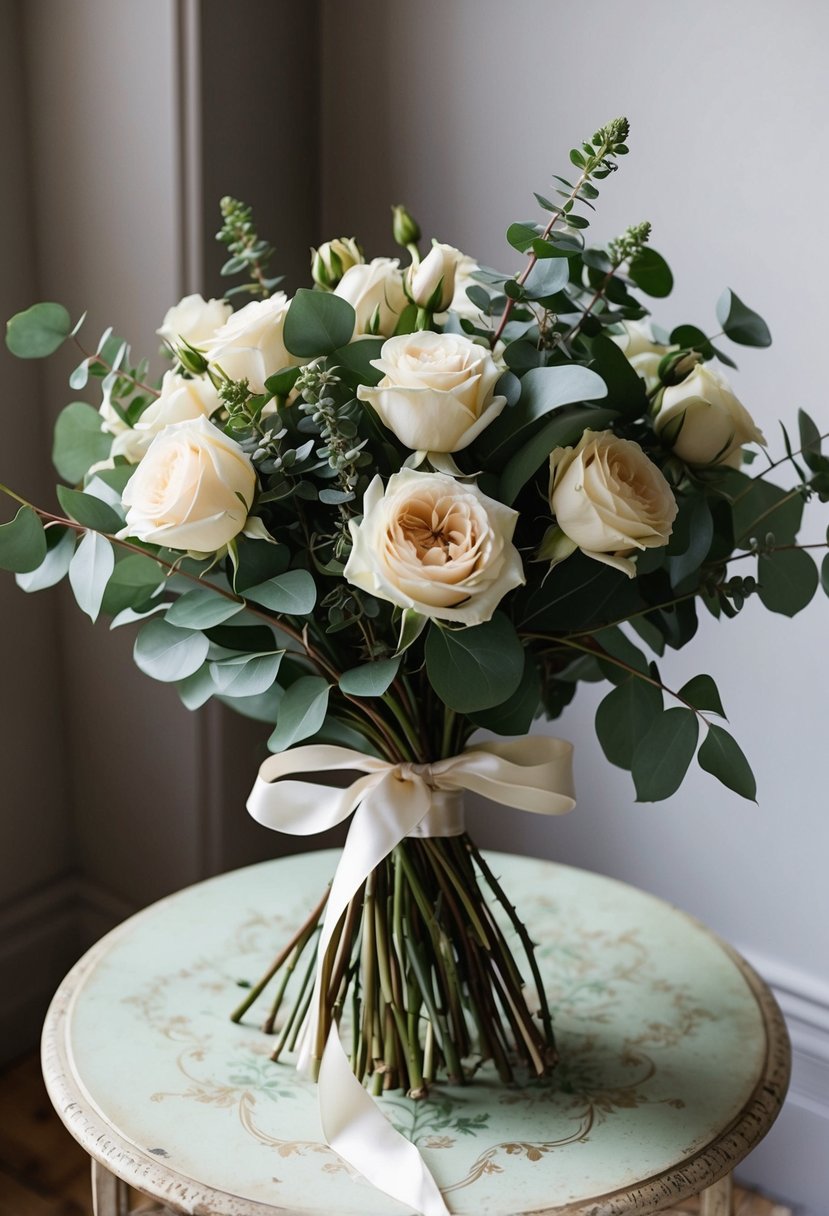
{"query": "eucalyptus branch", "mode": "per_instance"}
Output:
(774, 464)
(599, 653)
(247, 250)
(608, 142)
(621, 250)
(124, 373)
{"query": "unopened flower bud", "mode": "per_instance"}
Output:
(405, 228)
(431, 283)
(330, 262)
(191, 359)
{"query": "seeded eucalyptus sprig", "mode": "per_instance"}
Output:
(596, 160)
(249, 253)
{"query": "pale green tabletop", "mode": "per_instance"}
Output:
(674, 1059)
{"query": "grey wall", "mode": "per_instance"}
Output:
(128, 120)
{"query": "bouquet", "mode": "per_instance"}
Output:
(410, 502)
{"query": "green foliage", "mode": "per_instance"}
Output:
(79, 441)
(291, 594)
(788, 579)
(515, 715)
(703, 694)
(475, 668)
(740, 323)
(543, 390)
(38, 331)
(87, 510)
(245, 675)
(55, 565)
(22, 542)
(371, 680)
(317, 323)
(132, 584)
(625, 716)
(651, 273)
(662, 755)
(167, 653)
(202, 608)
(721, 756)
(89, 572)
(301, 712)
(249, 254)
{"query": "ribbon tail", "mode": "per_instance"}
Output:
(355, 1127)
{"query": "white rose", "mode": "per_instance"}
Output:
(375, 292)
(712, 424)
(249, 345)
(333, 258)
(431, 283)
(643, 353)
(194, 319)
(435, 545)
(609, 499)
(185, 493)
(179, 401)
(436, 394)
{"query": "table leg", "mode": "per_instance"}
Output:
(716, 1200)
(109, 1194)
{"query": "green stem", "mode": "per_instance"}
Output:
(308, 927)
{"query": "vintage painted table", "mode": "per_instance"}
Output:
(675, 1062)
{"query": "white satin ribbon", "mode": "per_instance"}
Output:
(389, 803)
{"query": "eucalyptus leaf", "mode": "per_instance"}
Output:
(134, 581)
(515, 715)
(740, 323)
(651, 272)
(291, 594)
(202, 608)
(702, 693)
(475, 668)
(22, 542)
(38, 331)
(197, 689)
(624, 716)
(247, 675)
(543, 389)
(370, 680)
(79, 441)
(167, 653)
(301, 712)
(89, 511)
(61, 546)
(662, 755)
(317, 323)
(721, 756)
(788, 579)
(258, 561)
(89, 572)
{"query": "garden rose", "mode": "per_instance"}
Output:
(713, 424)
(431, 283)
(249, 345)
(179, 401)
(194, 319)
(375, 292)
(643, 353)
(185, 493)
(609, 499)
(461, 303)
(436, 394)
(436, 545)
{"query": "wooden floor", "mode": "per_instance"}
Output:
(43, 1172)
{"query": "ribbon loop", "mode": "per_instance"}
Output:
(389, 802)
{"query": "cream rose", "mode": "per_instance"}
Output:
(193, 489)
(643, 353)
(431, 283)
(194, 319)
(179, 401)
(464, 277)
(433, 544)
(712, 424)
(249, 345)
(609, 499)
(436, 394)
(375, 292)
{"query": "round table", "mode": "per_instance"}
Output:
(674, 1062)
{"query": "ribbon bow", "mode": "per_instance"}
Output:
(390, 802)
